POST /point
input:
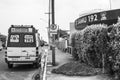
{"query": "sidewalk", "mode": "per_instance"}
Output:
(62, 58)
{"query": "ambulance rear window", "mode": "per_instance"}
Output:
(14, 38)
(28, 39)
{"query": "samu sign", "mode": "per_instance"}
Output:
(107, 17)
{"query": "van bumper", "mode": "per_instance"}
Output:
(21, 62)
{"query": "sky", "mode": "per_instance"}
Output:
(32, 12)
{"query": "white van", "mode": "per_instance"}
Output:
(23, 46)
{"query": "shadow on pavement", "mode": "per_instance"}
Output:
(22, 68)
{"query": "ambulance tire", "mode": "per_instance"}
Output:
(36, 65)
(10, 66)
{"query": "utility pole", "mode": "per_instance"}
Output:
(49, 21)
(110, 4)
(49, 12)
(53, 36)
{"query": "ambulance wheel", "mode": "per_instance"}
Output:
(36, 65)
(10, 66)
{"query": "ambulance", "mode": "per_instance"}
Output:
(23, 46)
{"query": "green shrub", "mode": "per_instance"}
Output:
(90, 44)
